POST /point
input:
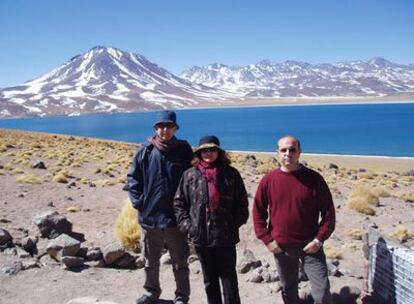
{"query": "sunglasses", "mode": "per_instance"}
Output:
(291, 150)
(168, 125)
(205, 150)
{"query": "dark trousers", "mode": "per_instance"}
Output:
(314, 265)
(219, 263)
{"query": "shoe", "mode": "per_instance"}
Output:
(145, 299)
(180, 301)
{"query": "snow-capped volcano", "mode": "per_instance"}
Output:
(375, 77)
(104, 79)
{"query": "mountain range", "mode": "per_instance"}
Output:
(107, 80)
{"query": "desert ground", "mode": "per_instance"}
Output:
(84, 180)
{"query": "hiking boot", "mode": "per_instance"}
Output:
(145, 299)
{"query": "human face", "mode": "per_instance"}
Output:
(209, 155)
(165, 131)
(289, 153)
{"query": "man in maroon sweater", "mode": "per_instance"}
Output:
(293, 215)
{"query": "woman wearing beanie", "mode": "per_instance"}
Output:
(210, 205)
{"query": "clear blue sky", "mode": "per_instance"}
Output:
(37, 36)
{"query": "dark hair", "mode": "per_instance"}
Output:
(222, 159)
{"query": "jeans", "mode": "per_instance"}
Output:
(219, 263)
(314, 265)
(153, 241)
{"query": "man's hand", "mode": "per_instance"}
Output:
(312, 247)
(274, 247)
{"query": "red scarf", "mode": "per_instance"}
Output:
(211, 173)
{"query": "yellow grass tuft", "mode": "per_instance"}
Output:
(356, 234)
(380, 192)
(127, 228)
(332, 253)
(402, 234)
(362, 200)
(29, 178)
(407, 197)
(73, 209)
(60, 178)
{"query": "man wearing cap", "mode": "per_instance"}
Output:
(293, 214)
(152, 181)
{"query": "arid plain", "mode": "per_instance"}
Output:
(83, 181)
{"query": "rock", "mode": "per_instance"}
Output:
(63, 245)
(47, 260)
(127, 261)
(140, 261)
(247, 261)
(12, 268)
(332, 166)
(5, 237)
(94, 254)
(10, 251)
(29, 264)
(195, 267)
(51, 224)
(21, 253)
(256, 278)
(275, 287)
(39, 165)
(166, 259)
(99, 263)
(29, 244)
(112, 252)
(270, 275)
(72, 262)
(333, 270)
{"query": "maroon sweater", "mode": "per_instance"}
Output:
(295, 201)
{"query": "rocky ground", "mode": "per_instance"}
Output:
(83, 182)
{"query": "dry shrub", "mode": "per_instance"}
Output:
(402, 234)
(362, 200)
(332, 253)
(380, 192)
(407, 197)
(107, 182)
(265, 168)
(28, 178)
(356, 234)
(127, 228)
(73, 209)
(60, 178)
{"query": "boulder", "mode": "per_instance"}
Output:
(39, 165)
(12, 268)
(63, 245)
(5, 237)
(247, 261)
(112, 252)
(72, 262)
(51, 224)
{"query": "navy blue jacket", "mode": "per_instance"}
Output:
(152, 181)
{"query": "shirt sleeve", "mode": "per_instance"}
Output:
(327, 212)
(261, 214)
(135, 180)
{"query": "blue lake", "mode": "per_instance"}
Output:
(367, 129)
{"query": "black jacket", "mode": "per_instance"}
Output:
(152, 181)
(204, 228)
